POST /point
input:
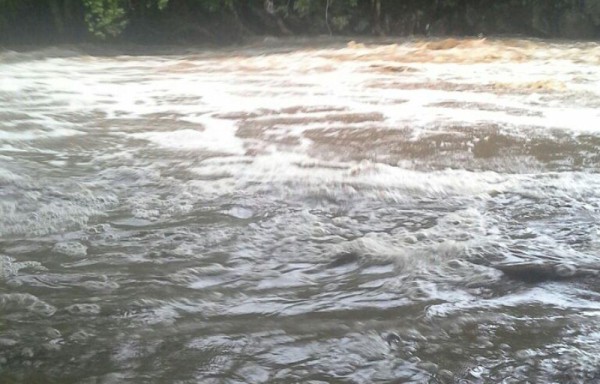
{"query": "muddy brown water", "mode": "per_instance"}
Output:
(315, 211)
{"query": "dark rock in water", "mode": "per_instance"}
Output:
(344, 259)
(529, 273)
(392, 339)
(537, 272)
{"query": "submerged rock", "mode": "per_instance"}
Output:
(344, 259)
(538, 272)
(393, 339)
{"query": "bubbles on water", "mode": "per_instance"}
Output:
(80, 336)
(103, 285)
(21, 304)
(70, 248)
(37, 213)
(53, 333)
(83, 309)
(5, 342)
(9, 267)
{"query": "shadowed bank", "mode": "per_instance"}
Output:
(234, 21)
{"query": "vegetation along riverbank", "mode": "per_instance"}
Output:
(233, 21)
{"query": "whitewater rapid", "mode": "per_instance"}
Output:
(300, 210)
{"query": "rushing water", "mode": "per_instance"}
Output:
(315, 212)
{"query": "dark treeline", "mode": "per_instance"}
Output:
(221, 21)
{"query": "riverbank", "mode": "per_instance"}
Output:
(52, 22)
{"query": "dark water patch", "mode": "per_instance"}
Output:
(394, 68)
(460, 146)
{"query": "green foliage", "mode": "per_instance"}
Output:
(303, 7)
(105, 17)
(108, 18)
(306, 7)
(7, 9)
(339, 12)
(214, 5)
(162, 4)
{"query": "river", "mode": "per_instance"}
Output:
(315, 211)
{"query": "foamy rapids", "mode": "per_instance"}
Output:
(301, 211)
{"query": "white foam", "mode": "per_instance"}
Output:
(36, 134)
(25, 302)
(9, 267)
(552, 295)
(86, 309)
(218, 136)
(71, 248)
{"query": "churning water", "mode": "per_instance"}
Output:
(315, 212)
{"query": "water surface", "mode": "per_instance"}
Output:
(319, 212)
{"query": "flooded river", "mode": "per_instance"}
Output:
(317, 211)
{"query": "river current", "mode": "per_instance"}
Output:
(303, 211)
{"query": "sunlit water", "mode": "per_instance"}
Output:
(315, 212)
